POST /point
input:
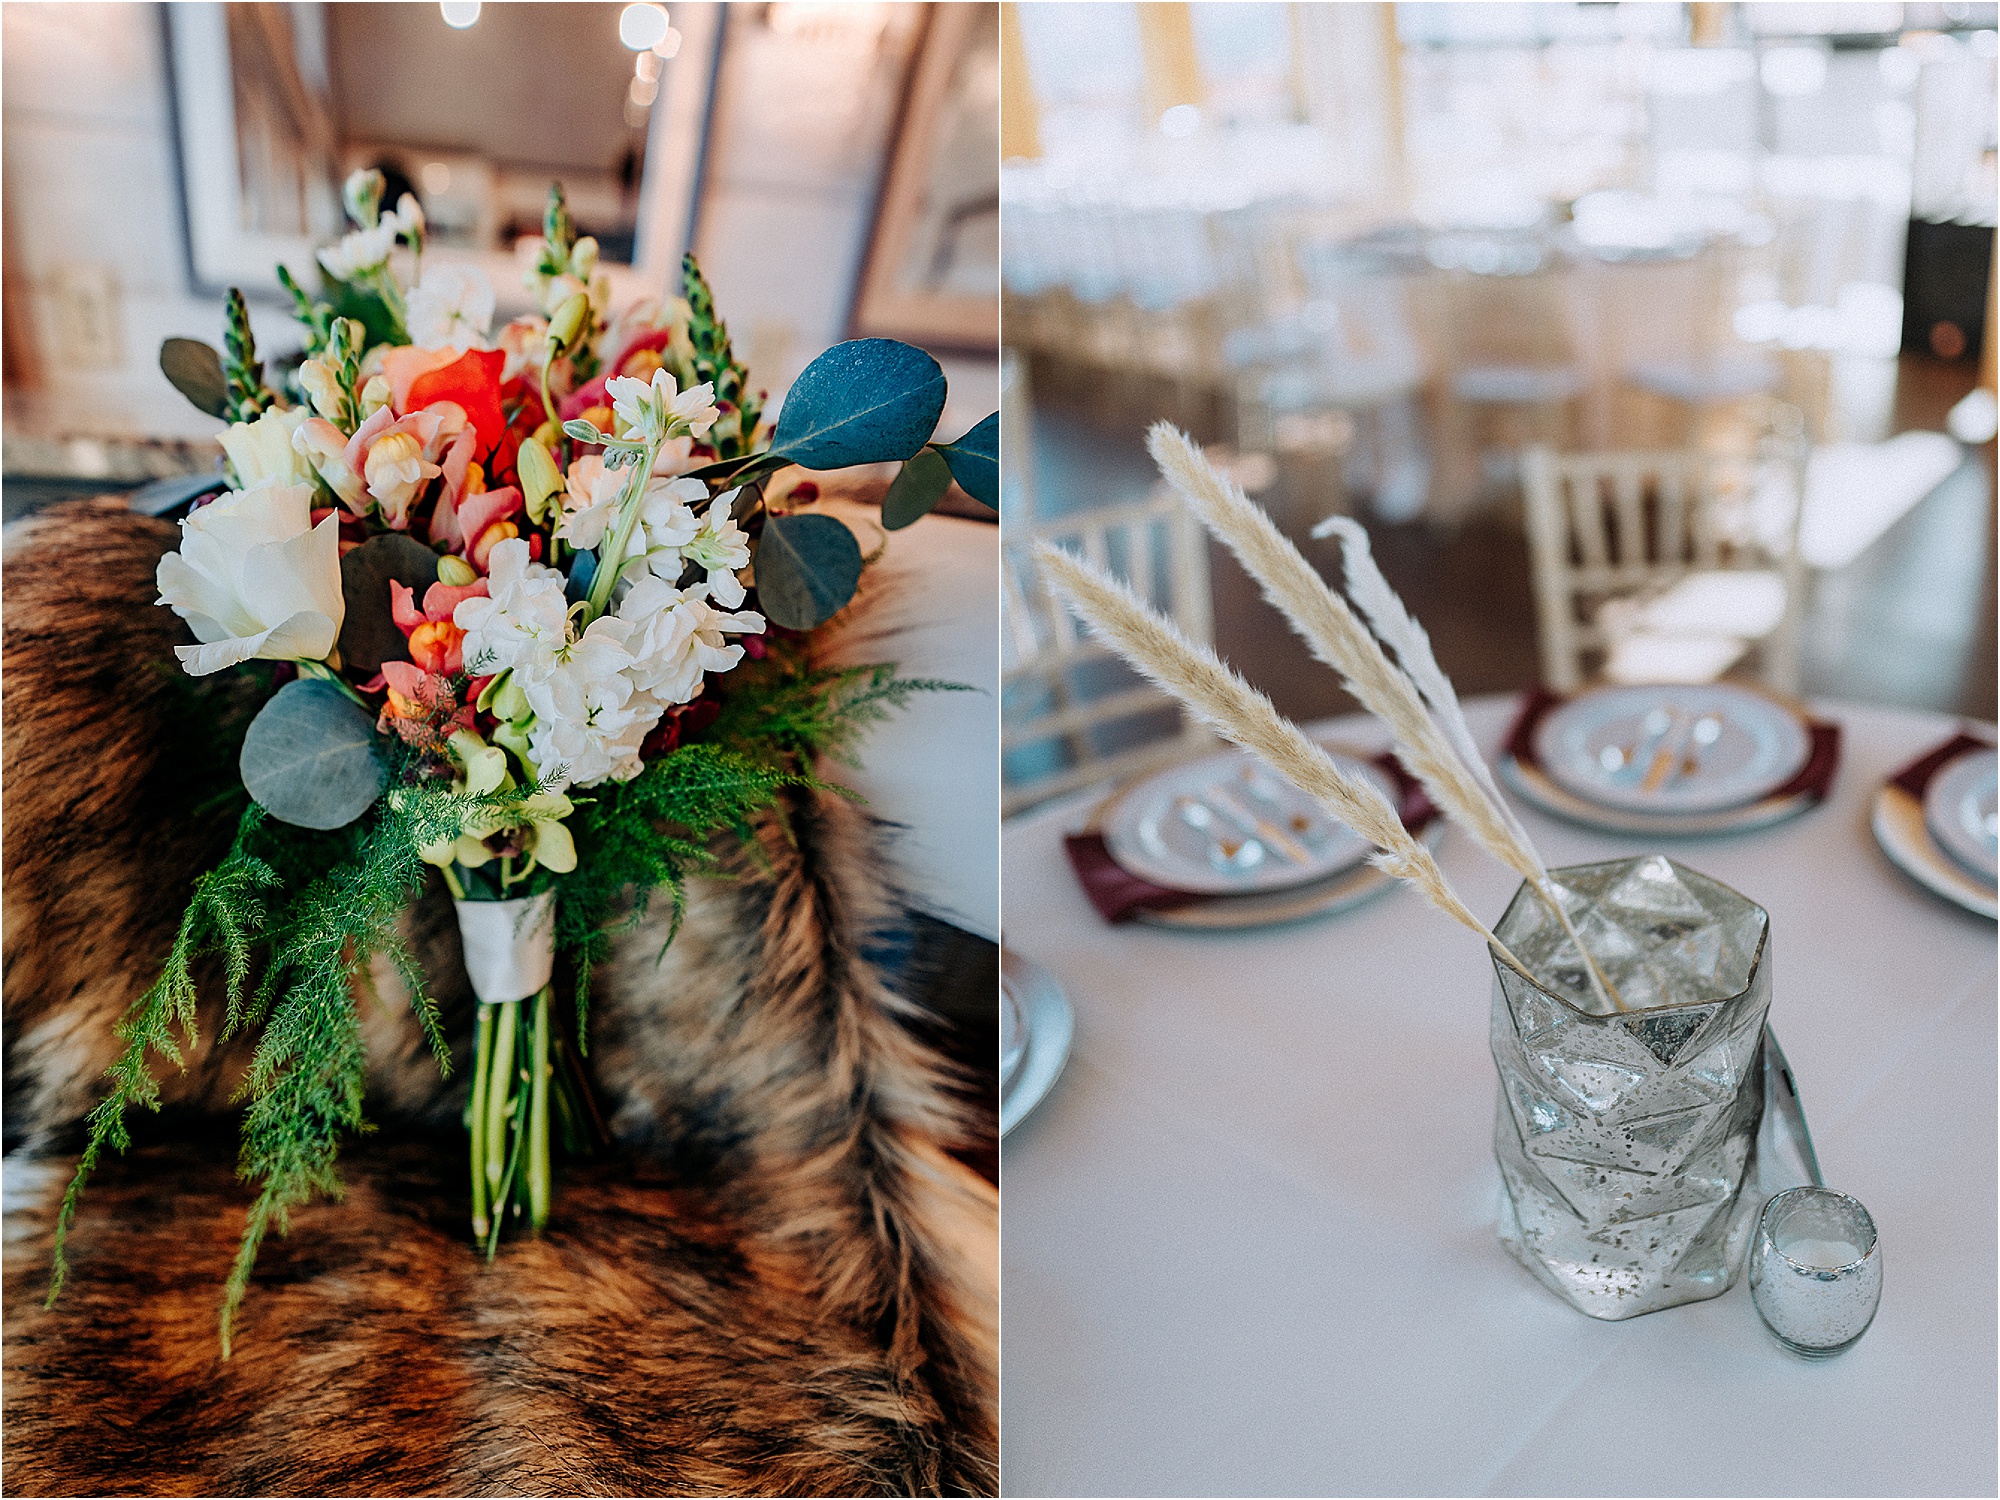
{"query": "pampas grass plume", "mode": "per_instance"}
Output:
(1229, 705)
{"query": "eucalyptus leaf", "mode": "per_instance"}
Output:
(195, 370)
(918, 488)
(309, 757)
(862, 402)
(740, 469)
(807, 567)
(975, 461)
(368, 634)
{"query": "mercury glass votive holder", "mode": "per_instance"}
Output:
(1626, 1137)
(1816, 1270)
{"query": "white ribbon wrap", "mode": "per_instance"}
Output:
(510, 946)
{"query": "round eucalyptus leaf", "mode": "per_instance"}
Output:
(866, 401)
(807, 567)
(368, 632)
(975, 461)
(195, 370)
(309, 758)
(918, 488)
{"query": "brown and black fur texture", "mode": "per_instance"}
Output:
(777, 1282)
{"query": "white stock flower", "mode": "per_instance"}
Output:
(452, 305)
(409, 217)
(720, 547)
(676, 638)
(261, 452)
(360, 251)
(590, 502)
(522, 623)
(255, 578)
(666, 524)
(650, 411)
(589, 723)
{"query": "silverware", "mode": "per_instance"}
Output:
(1707, 730)
(1272, 835)
(1616, 758)
(1308, 829)
(1667, 751)
(1240, 853)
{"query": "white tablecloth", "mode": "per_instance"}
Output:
(1248, 1244)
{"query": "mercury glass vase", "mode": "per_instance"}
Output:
(1626, 1137)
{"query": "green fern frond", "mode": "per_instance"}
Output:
(227, 911)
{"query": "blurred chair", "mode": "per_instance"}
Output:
(1515, 374)
(1710, 373)
(1320, 354)
(1668, 566)
(1072, 713)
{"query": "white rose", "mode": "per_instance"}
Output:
(261, 452)
(255, 578)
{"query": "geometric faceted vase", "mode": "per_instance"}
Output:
(1626, 1137)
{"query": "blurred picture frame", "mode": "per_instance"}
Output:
(224, 248)
(932, 273)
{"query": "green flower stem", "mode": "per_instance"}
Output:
(392, 298)
(482, 1056)
(611, 555)
(538, 1117)
(325, 673)
(498, 1091)
(504, 1195)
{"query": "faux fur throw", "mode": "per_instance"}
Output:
(778, 1282)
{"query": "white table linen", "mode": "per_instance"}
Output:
(1248, 1245)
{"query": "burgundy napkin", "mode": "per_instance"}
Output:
(1915, 778)
(1814, 780)
(1119, 895)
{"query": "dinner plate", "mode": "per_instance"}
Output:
(1227, 825)
(1899, 827)
(1672, 747)
(1322, 898)
(1013, 1034)
(1049, 1022)
(1962, 812)
(1536, 787)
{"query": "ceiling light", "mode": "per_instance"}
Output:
(459, 14)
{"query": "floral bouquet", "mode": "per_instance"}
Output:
(529, 609)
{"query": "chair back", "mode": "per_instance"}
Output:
(1631, 525)
(1072, 712)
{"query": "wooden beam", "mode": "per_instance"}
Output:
(1020, 113)
(1166, 43)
